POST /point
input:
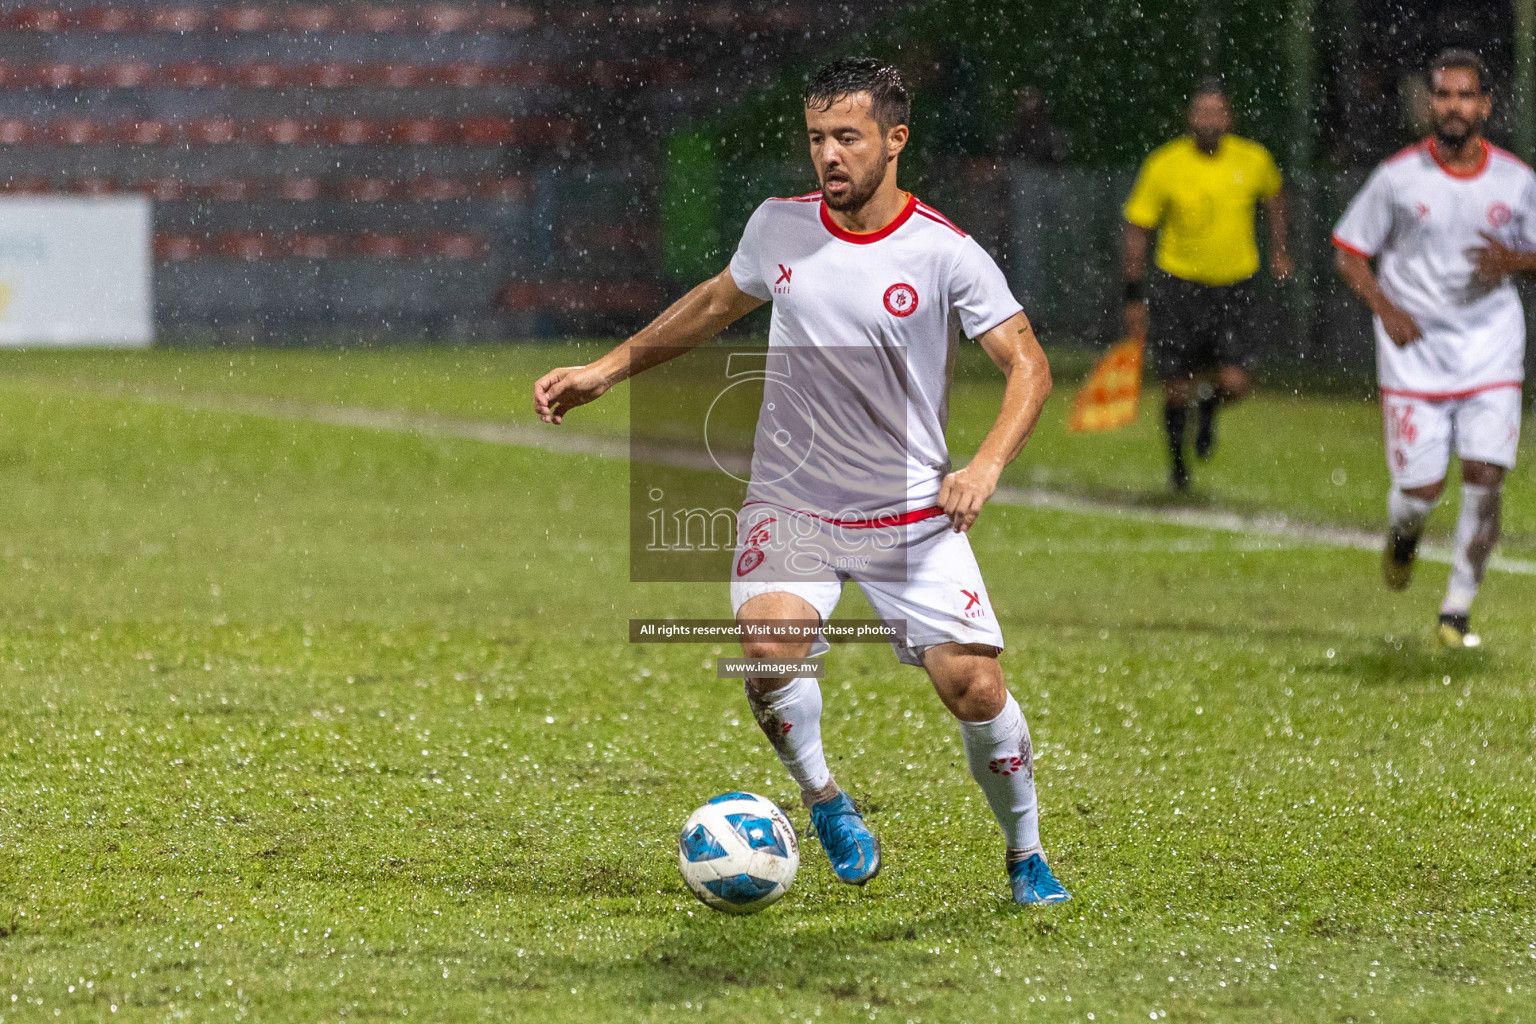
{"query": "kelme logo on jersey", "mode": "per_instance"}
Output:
(1499, 214)
(901, 300)
(781, 286)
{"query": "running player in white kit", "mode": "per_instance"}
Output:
(1449, 221)
(870, 276)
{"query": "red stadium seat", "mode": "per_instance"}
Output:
(246, 245)
(232, 190)
(281, 131)
(311, 18)
(299, 188)
(543, 131)
(449, 245)
(352, 131)
(446, 18)
(181, 19)
(316, 247)
(505, 19)
(380, 19)
(14, 132)
(368, 190)
(595, 296)
(30, 185)
(143, 133)
(461, 75)
(128, 74)
(96, 186)
(486, 131)
(211, 131)
(105, 19)
(495, 186)
(396, 75)
(193, 74)
(167, 187)
(333, 75)
(418, 131)
(261, 76)
(243, 19)
(431, 188)
(54, 76)
(36, 19)
(77, 131)
(375, 246)
(175, 248)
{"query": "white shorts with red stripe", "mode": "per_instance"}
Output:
(918, 573)
(1483, 425)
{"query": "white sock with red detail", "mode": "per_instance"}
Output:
(1477, 530)
(1407, 513)
(1002, 762)
(791, 719)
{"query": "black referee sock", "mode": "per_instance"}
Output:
(1174, 419)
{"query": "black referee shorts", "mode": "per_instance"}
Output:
(1198, 327)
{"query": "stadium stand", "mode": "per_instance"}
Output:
(323, 170)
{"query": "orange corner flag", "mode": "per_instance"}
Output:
(1110, 396)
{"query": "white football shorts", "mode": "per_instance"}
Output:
(921, 574)
(1483, 426)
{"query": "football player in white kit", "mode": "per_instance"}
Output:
(870, 276)
(1449, 221)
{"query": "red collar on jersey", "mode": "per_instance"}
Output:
(866, 237)
(1482, 163)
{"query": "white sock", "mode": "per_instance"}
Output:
(1477, 529)
(1003, 763)
(1407, 513)
(791, 719)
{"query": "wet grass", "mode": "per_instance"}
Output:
(1315, 458)
(313, 723)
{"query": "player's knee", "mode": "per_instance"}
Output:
(1235, 385)
(1429, 492)
(767, 649)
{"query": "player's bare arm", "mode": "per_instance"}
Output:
(1277, 217)
(1355, 269)
(1133, 262)
(691, 321)
(1016, 351)
(1494, 261)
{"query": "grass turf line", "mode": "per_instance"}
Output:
(306, 722)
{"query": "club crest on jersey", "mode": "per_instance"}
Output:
(781, 286)
(901, 300)
(750, 559)
(1499, 214)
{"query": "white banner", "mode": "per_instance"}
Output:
(76, 271)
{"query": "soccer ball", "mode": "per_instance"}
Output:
(738, 853)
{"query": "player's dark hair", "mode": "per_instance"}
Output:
(1456, 57)
(1209, 86)
(848, 76)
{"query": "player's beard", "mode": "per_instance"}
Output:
(1454, 131)
(861, 190)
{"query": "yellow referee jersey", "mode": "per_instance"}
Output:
(1202, 207)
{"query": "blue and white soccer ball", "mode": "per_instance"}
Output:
(738, 853)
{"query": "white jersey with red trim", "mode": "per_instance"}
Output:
(884, 313)
(1420, 218)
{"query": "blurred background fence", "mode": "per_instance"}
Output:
(324, 172)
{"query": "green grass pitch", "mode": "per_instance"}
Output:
(306, 722)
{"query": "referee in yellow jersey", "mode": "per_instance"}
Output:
(1198, 193)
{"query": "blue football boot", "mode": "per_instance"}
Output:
(1033, 882)
(852, 848)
